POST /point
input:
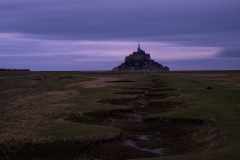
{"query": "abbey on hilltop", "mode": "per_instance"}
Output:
(140, 61)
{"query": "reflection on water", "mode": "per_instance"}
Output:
(130, 143)
(137, 116)
(143, 137)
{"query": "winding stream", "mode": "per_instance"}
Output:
(142, 137)
(131, 143)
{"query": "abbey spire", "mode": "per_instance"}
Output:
(139, 49)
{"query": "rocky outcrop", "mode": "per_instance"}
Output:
(140, 61)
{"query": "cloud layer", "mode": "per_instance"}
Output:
(71, 34)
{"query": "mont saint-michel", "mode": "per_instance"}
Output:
(140, 61)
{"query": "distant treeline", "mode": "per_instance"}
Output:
(9, 69)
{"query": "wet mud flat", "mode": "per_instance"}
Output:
(139, 137)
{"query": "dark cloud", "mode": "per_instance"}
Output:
(204, 64)
(101, 20)
(230, 52)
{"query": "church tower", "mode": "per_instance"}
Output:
(139, 49)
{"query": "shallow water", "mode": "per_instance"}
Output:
(143, 137)
(138, 116)
(130, 143)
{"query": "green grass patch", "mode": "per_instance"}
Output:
(79, 131)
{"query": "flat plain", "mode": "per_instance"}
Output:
(120, 115)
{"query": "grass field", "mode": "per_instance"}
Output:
(114, 115)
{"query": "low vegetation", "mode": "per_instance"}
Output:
(119, 115)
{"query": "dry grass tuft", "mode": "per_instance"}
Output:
(98, 82)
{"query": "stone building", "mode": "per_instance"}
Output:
(140, 61)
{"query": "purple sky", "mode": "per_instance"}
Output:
(98, 34)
